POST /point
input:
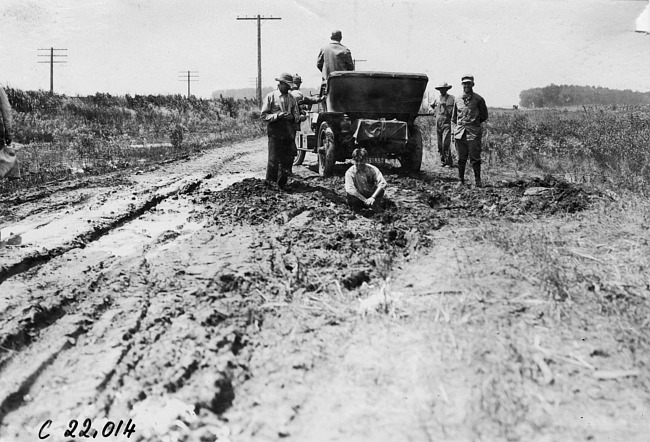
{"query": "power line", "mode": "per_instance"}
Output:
(259, 19)
(189, 76)
(355, 61)
(52, 62)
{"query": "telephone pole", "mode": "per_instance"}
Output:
(52, 62)
(259, 19)
(190, 76)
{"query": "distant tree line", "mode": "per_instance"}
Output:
(571, 95)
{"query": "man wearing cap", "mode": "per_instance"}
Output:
(280, 111)
(364, 183)
(469, 112)
(304, 102)
(333, 57)
(443, 107)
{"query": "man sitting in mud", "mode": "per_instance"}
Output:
(364, 184)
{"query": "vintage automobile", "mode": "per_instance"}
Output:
(375, 110)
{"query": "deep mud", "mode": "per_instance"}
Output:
(204, 304)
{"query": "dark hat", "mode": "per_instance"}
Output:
(287, 78)
(443, 85)
(336, 35)
(467, 79)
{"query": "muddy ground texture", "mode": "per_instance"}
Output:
(328, 240)
(150, 297)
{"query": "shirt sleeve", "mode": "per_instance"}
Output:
(267, 114)
(348, 60)
(309, 100)
(379, 178)
(350, 188)
(482, 111)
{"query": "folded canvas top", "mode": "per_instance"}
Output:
(380, 130)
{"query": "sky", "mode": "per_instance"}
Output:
(144, 46)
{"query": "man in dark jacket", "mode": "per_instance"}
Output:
(280, 111)
(333, 57)
(470, 111)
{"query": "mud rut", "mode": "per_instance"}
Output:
(203, 304)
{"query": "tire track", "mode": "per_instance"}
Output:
(98, 339)
(82, 240)
(38, 258)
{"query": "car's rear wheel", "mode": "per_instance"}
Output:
(325, 147)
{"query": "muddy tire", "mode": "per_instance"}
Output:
(412, 160)
(298, 160)
(325, 149)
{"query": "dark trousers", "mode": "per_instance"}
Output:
(357, 205)
(280, 160)
(444, 145)
(469, 149)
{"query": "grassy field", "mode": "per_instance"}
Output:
(592, 145)
(66, 136)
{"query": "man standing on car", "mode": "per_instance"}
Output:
(443, 107)
(8, 162)
(470, 111)
(333, 57)
(280, 111)
(364, 183)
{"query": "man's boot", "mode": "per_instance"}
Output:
(477, 175)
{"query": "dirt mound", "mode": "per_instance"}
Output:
(316, 235)
(537, 196)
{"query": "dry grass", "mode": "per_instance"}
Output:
(581, 306)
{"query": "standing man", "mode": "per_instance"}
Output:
(304, 105)
(8, 162)
(333, 57)
(304, 102)
(280, 111)
(443, 106)
(364, 183)
(469, 113)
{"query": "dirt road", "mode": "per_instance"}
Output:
(193, 302)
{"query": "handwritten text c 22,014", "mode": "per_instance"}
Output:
(86, 430)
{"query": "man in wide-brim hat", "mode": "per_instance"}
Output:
(442, 107)
(280, 111)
